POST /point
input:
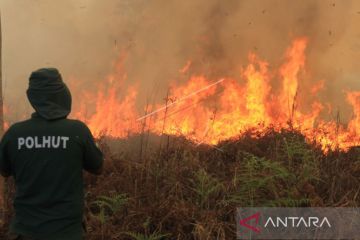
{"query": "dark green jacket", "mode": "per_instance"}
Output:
(46, 156)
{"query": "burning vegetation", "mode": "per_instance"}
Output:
(210, 111)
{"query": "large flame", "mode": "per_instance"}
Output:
(208, 111)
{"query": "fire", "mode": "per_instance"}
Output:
(289, 72)
(257, 90)
(354, 125)
(208, 111)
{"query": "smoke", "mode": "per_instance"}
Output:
(84, 39)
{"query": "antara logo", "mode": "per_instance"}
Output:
(279, 222)
(296, 222)
(255, 216)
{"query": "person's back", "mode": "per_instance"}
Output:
(46, 155)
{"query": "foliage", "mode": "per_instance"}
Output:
(192, 191)
(205, 186)
(109, 205)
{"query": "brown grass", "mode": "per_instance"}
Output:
(183, 191)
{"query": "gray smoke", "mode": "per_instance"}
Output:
(83, 38)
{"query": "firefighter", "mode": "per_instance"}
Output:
(46, 155)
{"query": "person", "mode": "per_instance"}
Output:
(46, 155)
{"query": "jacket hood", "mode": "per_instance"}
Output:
(48, 94)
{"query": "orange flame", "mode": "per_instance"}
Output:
(221, 111)
(354, 125)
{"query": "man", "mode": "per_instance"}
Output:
(46, 155)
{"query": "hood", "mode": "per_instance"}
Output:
(48, 94)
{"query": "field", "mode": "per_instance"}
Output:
(169, 188)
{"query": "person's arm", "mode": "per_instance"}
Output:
(93, 158)
(5, 166)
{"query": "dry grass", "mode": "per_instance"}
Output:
(174, 189)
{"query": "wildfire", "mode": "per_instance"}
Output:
(209, 113)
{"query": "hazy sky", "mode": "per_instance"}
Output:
(83, 38)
